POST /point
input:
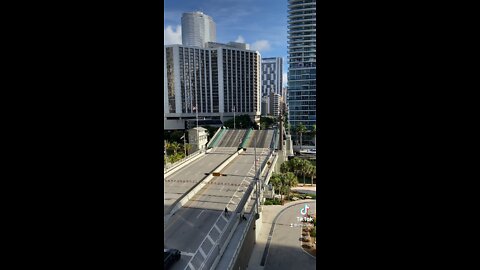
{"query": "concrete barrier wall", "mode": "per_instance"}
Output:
(270, 172)
(224, 164)
(182, 164)
(214, 139)
(244, 250)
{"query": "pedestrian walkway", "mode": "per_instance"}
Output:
(269, 212)
(305, 189)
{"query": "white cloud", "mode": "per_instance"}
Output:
(260, 45)
(172, 36)
(240, 39)
(284, 79)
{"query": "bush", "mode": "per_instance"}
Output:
(272, 202)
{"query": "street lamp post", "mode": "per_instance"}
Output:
(233, 117)
(256, 178)
(184, 148)
(165, 150)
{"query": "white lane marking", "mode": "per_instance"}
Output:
(202, 253)
(210, 238)
(216, 227)
(200, 213)
(224, 218)
(187, 253)
(191, 266)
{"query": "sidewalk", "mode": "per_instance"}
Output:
(269, 213)
(305, 189)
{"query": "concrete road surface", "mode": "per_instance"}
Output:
(196, 227)
(181, 181)
(285, 251)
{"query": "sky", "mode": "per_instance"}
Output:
(260, 23)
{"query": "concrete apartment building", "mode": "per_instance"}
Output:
(210, 82)
(272, 71)
(271, 105)
(208, 79)
(302, 87)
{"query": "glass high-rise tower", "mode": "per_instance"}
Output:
(302, 85)
(197, 29)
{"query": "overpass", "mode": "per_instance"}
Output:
(196, 195)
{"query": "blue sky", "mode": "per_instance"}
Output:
(260, 23)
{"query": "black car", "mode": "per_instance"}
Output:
(170, 256)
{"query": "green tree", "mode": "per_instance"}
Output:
(300, 129)
(276, 181)
(289, 180)
(241, 121)
(313, 173)
(285, 167)
(314, 131)
(296, 165)
(168, 146)
(175, 146)
(188, 147)
(304, 168)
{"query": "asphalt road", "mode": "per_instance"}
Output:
(196, 227)
(181, 181)
(285, 251)
(226, 136)
(260, 138)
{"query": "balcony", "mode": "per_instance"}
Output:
(304, 21)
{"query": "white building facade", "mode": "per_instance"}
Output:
(197, 29)
(210, 82)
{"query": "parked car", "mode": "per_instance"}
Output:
(170, 256)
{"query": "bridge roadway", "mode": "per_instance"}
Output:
(181, 181)
(262, 138)
(195, 228)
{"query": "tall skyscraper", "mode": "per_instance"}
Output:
(215, 82)
(272, 75)
(302, 85)
(197, 29)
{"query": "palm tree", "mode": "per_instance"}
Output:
(300, 130)
(310, 171)
(313, 173)
(276, 181)
(314, 131)
(188, 147)
(295, 165)
(289, 180)
(167, 147)
(285, 167)
(175, 146)
(304, 168)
